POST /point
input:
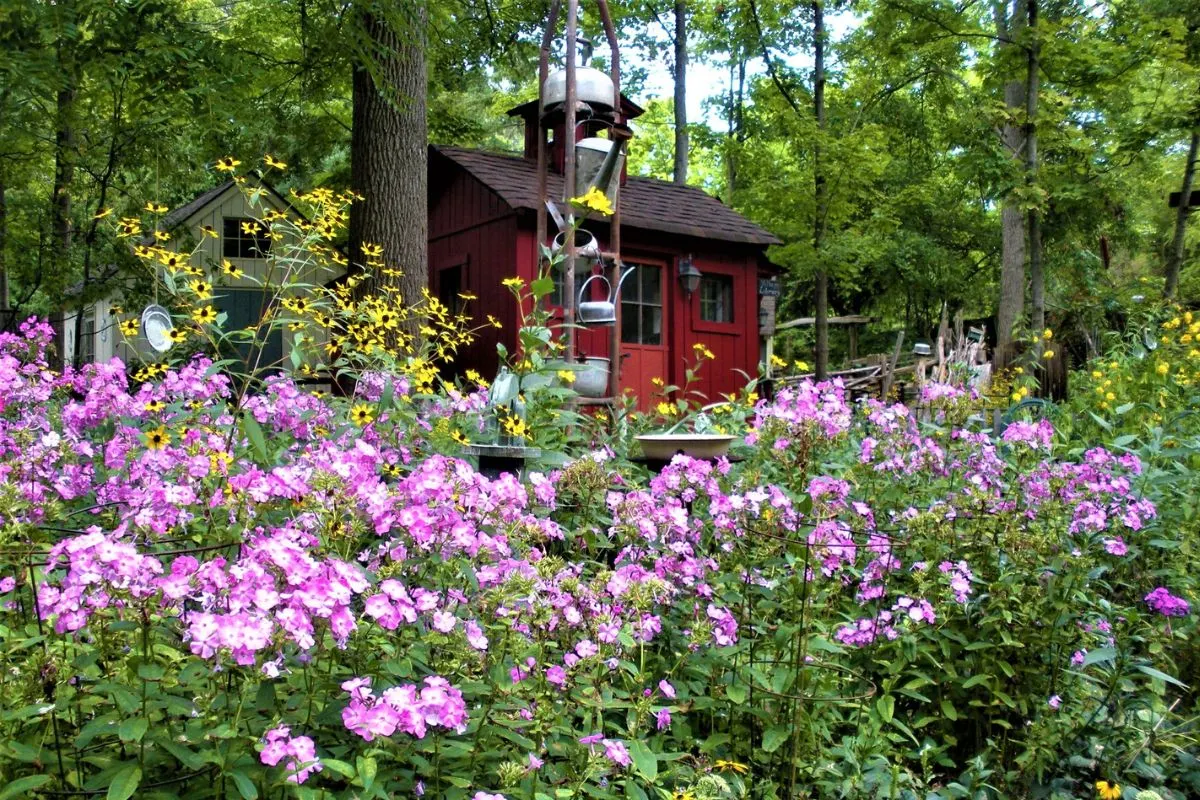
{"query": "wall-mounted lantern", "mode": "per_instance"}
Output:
(689, 276)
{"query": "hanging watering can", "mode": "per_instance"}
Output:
(598, 164)
(599, 312)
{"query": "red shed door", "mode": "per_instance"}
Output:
(644, 332)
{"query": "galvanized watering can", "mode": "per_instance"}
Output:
(600, 312)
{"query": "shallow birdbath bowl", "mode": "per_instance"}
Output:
(496, 459)
(665, 446)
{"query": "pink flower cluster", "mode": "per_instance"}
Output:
(405, 708)
(300, 752)
(960, 577)
(802, 412)
(867, 630)
(1036, 435)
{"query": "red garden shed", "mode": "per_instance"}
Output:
(482, 229)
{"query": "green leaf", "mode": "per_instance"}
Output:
(150, 672)
(245, 786)
(1099, 656)
(736, 692)
(635, 792)
(1162, 676)
(264, 698)
(948, 710)
(975, 680)
(254, 432)
(125, 783)
(367, 769)
(542, 287)
(774, 737)
(339, 767)
(185, 756)
(644, 760)
(887, 708)
(132, 730)
(22, 786)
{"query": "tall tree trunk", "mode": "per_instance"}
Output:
(388, 155)
(1175, 257)
(822, 288)
(681, 60)
(1037, 280)
(60, 196)
(1011, 308)
(737, 89)
(4, 295)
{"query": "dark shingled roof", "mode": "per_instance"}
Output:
(645, 203)
(180, 215)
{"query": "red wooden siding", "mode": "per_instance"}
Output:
(471, 229)
(735, 345)
(478, 237)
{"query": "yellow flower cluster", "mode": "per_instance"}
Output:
(1160, 378)
(594, 200)
(361, 318)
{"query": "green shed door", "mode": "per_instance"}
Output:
(245, 308)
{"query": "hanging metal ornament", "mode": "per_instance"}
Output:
(157, 327)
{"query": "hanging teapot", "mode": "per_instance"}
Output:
(599, 312)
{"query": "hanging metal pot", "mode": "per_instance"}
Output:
(599, 312)
(591, 86)
(587, 250)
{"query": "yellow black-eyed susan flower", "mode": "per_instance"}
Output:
(202, 289)
(274, 163)
(158, 438)
(227, 164)
(129, 327)
(362, 414)
(229, 270)
(205, 315)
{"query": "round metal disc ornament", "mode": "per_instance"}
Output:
(156, 325)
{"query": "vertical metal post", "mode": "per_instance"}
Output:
(543, 73)
(569, 178)
(614, 235)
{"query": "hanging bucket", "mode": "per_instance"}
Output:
(587, 250)
(591, 380)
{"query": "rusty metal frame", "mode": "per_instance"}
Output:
(570, 123)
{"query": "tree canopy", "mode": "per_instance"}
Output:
(904, 174)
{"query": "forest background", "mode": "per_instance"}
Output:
(1011, 159)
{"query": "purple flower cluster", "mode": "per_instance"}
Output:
(1167, 604)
